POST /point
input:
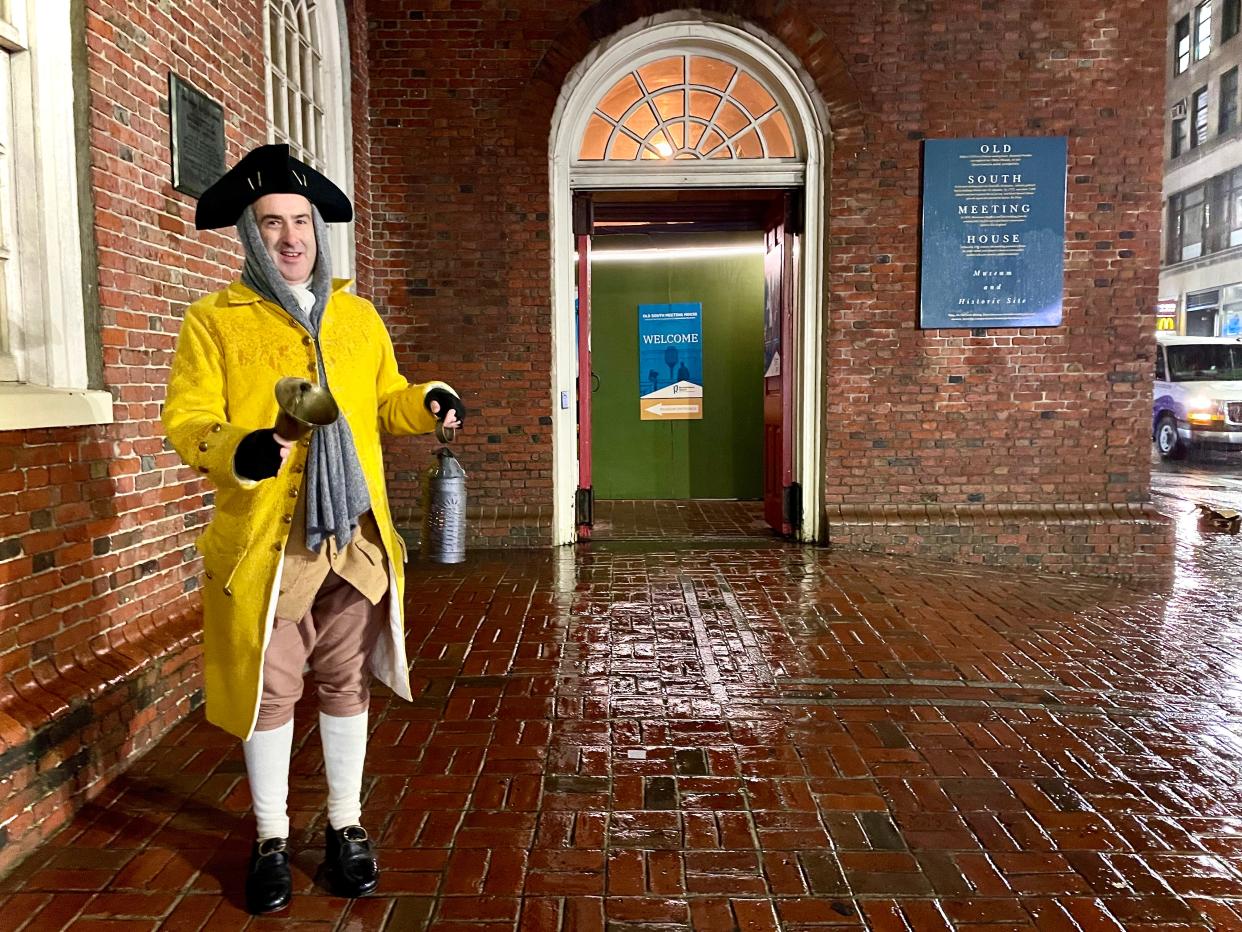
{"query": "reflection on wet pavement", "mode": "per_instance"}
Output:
(660, 736)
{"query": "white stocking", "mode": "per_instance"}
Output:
(344, 749)
(267, 768)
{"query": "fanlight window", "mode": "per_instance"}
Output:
(687, 107)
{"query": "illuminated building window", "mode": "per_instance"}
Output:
(687, 107)
(1181, 45)
(1203, 30)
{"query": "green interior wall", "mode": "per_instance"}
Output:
(720, 456)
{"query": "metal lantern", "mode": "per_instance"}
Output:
(444, 506)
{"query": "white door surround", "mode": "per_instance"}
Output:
(767, 58)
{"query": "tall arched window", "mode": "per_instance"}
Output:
(308, 97)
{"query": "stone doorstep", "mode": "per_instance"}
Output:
(533, 523)
(499, 528)
(40, 713)
(1123, 542)
(1054, 514)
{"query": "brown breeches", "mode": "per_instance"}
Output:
(336, 637)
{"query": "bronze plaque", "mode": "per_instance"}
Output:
(197, 137)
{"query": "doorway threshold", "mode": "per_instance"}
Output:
(679, 519)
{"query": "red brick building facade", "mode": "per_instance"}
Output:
(1022, 447)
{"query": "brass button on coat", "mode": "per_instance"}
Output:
(202, 447)
(293, 493)
(215, 428)
(276, 546)
(228, 592)
(288, 519)
(306, 341)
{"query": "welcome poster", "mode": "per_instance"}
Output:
(670, 362)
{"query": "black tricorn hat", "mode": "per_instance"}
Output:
(268, 170)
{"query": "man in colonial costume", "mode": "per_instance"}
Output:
(303, 565)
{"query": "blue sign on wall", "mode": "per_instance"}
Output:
(993, 232)
(670, 362)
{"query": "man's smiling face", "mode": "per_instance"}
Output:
(288, 232)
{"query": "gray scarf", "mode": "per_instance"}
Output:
(336, 489)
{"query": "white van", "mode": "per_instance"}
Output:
(1198, 393)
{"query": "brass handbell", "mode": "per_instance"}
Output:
(303, 407)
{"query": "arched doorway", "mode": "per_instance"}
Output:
(597, 144)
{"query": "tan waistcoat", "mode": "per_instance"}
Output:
(360, 563)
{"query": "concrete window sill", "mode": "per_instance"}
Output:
(32, 406)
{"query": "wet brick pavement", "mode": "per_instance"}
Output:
(751, 737)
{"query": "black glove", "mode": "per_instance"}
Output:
(258, 455)
(448, 402)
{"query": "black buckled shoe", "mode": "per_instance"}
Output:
(349, 861)
(269, 884)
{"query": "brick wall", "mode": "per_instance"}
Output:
(1047, 415)
(946, 420)
(958, 425)
(460, 217)
(360, 66)
(99, 617)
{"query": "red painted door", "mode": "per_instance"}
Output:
(582, 237)
(779, 501)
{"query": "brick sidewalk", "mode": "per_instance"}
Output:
(754, 737)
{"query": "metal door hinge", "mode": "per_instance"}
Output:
(584, 506)
(793, 505)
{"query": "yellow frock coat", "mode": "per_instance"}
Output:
(233, 348)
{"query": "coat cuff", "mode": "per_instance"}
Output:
(213, 449)
(429, 387)
(408, 412)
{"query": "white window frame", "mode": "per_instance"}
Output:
(337, 158)
(12, 313)
(1182, 54)
(1201, 29)
(1200, 96)
(48, 379)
